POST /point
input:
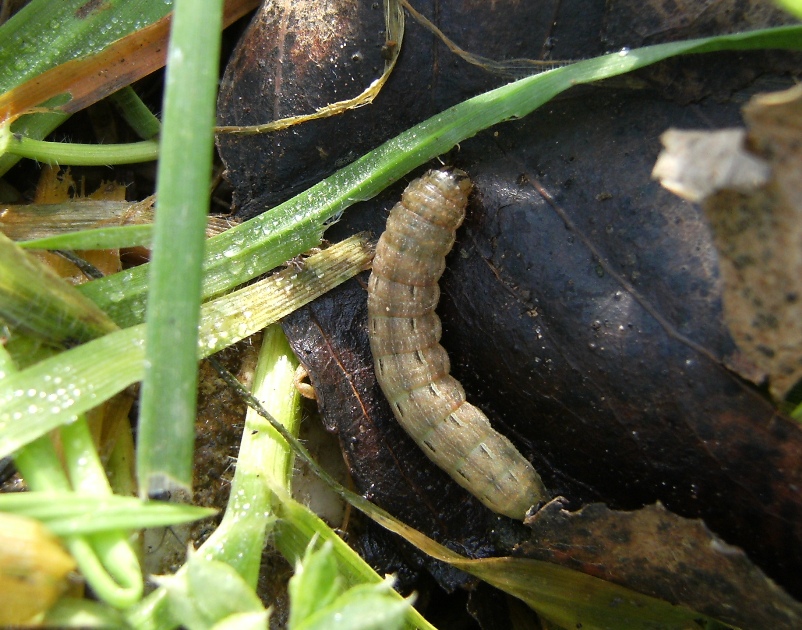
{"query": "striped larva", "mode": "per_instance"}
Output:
(413, 368)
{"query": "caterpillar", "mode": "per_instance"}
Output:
(412, 368)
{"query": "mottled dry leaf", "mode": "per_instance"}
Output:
(725, 163)
(666, 556)
(330, 29)
(298, 58)
(57, 187)
(753, 203)
(564, 596)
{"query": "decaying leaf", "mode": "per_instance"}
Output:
(394, 24)
(663, 555)
(581, 306)
(750, 186)
(697, 164)
(589, 328)
(56, 187)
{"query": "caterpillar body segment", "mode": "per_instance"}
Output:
(412, 367)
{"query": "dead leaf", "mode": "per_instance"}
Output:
(697, 164)
(581, 306)
(588, 331)
(663, 555)
(750, 187)
(656, 20)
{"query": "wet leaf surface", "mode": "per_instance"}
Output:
(90, 75)
(289, 64)
(582, 304)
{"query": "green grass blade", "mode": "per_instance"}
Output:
(45, 34)
(38, 302)
(67, 513)
(166, 435)
(98, 238)
(52, 392)
(136, 113)
(237, 255)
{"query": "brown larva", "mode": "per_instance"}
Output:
(413, 368)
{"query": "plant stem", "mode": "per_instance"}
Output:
(77, 154)
(136, 113)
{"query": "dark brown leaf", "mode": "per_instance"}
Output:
(660, 554)
(656, 21)
(752, 199)
(581, 307)
(294, 59)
